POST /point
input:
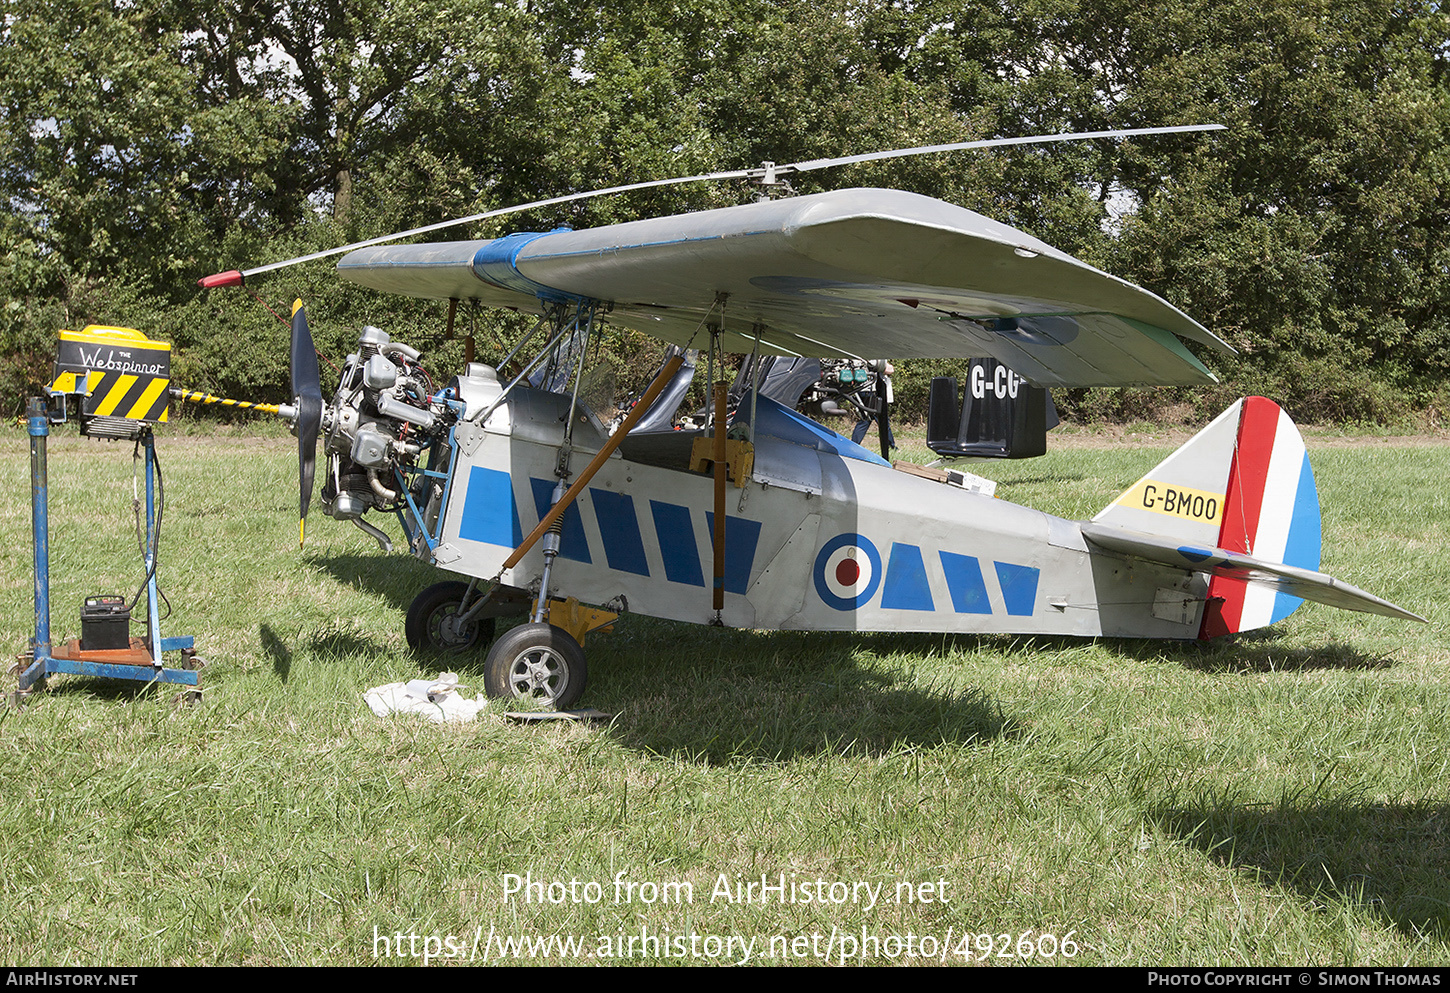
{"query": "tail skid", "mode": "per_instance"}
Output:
(1238, 501)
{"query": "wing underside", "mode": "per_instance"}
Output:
(857, 273)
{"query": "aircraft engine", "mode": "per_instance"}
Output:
(379, 421)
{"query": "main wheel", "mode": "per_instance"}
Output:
(433, 621)
(536, 662)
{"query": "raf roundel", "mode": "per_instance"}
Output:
(848, 571)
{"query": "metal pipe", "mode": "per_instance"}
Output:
(595, 464)
(384, 494)
(381, 537)
(498, 401)
(39, 428)
(400, 348)
(755, 379)
(153, 607)
(523, 341)
(552, 540)
(587, 317)
(721, 389)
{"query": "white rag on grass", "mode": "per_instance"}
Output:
(436, 699)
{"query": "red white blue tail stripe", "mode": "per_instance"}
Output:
(1271, 511)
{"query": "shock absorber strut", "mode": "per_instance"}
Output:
(552, 540)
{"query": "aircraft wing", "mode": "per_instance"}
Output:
(858, 273)
(1306, 584)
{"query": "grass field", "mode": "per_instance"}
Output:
(1275, 799)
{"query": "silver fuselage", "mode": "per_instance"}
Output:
(815, 540)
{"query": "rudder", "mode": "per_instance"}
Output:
(1242, 484)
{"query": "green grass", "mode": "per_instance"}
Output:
(1280, 798)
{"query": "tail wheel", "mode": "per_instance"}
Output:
(537, 662)
(434, 624)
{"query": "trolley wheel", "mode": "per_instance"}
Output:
(432, 621)
(536, 662)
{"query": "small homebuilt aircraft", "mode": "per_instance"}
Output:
(772, 520)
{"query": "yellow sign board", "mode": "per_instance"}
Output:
(119, 371)
(1175, 501)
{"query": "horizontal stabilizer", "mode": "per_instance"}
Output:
(1302, 583)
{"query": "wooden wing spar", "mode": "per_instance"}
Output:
(860, 273)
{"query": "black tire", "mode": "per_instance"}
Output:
(429, 626)
(536, 662)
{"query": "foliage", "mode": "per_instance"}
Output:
(145, 143)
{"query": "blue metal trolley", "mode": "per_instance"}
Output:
(121, 380)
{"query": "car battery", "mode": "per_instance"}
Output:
(105, 624)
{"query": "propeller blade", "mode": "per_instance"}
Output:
(766, 173)
(307, 388)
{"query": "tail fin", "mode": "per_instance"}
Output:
(1242, 484)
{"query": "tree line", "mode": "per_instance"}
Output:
(148, 142)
